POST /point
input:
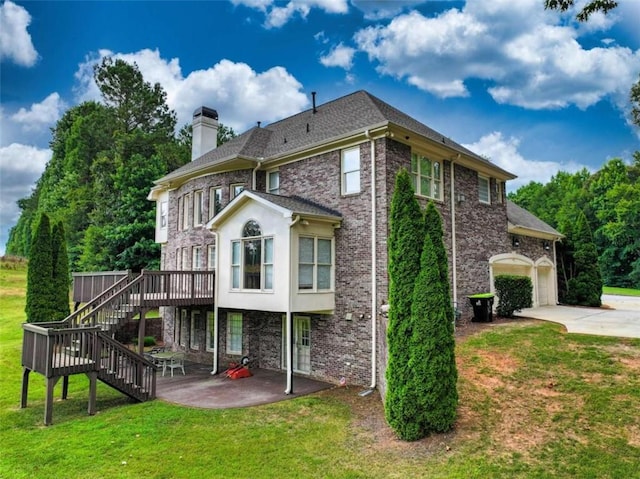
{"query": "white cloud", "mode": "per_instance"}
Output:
(340, 56)
(15, 41)
(379, 9)
(241, 95)
(277, 16)
(41, 115)
(504, 153)
(20, 168)
(525, 55)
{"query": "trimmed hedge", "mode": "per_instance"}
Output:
(514, 294)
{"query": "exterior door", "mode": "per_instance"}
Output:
(543, 286)
(302, 344)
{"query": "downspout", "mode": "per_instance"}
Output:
(289, 319)
(253, 175)
(453, 233)
(214, 370)
(374, 262)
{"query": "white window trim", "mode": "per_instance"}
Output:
(194, 343)
(262, 265)
(344, 173)
(196, 258)
(486, 201)
(499, 191)
(211, 257)
(314, 288)
(182, 336)
(212, 200)
(185, 211)
(416, 175)
(236, 316)
(273, 191)
(209, 332)
(184, 254)
(232, 189)
(164, 215)
(198, 208)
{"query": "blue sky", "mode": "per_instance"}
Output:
(533, 90)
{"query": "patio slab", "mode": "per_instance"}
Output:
(198, 388)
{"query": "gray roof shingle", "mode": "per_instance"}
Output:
(518, 216)
(352, 113)
(298, 205)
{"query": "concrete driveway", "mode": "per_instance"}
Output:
(619, 317)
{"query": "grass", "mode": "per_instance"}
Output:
(534, 403)
(621, 291)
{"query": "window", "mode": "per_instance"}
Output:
(273, 182)
(185, 259)
(211, 257)
(234, 333)
(350, 171)
(235, 190)
(211, 346)
(198, 205)
(196, 259)
(185, 212)
(483, 190)
(427, 176)
(252, 259)
(164, 214)
(179, 223)
(314, 263)
(499, 191)
(215, 201)
(194, 342)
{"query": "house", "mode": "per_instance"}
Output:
(293, 218)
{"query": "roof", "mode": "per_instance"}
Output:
(521, 221)
(290, 206)
(350, 114)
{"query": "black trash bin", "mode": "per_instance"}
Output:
(482, 307)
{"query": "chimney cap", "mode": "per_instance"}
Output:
(205, 111)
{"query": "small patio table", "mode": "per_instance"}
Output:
(162, 358)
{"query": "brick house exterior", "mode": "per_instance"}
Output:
(301, 253)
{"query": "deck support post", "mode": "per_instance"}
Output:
(93, 380)
(48, 404)
(65, 386)
(141, 331)
(25, 387)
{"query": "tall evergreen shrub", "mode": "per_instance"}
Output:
(585, 287)
(60, 276)
(433, 228)
(432, 387)
(40, 300)
(405, 247)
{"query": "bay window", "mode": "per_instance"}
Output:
(252, 259)
(315, 263)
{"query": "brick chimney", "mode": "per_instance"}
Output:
(205, 131)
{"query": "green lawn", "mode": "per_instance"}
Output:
(534, 403)
(621, 291)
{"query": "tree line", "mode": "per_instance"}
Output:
(604, 205)
(105, 157)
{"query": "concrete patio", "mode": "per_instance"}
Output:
(198, 388)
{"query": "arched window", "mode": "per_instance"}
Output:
(252, 259)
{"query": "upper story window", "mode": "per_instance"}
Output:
(350, 170)
(252, 259)
(427, 176)
(185, 212)
(273, 182)
(198, 207)
(196, 260)
(184, 259)
(211, 257)
(315, 263)
(235, 189)
(164, 214)
(483, 190)
(215, 201)
(179, 222)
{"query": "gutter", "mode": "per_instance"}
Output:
(214, 369)
(454, 249)
(289, 319)
(374, 260)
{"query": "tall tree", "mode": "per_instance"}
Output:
(39, 303)
(584, 287)
(60, 275)
(405, 248)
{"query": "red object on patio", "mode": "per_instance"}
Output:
(238, 373)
